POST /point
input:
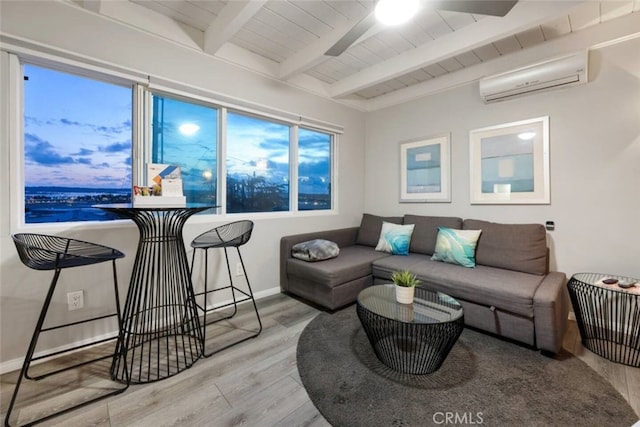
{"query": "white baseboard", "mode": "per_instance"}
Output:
(15, 364)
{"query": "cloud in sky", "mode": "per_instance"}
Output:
(117, 147)
(84, 152)
(43, 153)
(125, 126)
(70, 122)
(315, 168)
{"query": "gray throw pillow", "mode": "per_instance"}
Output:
(315, 250)
(370, 227)
(517, 247)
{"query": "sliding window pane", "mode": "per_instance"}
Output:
(314, 170)
(257, 165)
(186, 134)
(77, 146)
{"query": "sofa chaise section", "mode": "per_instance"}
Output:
(331, 283)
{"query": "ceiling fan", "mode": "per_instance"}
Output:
(480, 7)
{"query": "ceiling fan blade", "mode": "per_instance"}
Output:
(480, 7)
(352, 35)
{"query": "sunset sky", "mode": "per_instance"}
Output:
(78, 134)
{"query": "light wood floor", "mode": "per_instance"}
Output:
(255, 383)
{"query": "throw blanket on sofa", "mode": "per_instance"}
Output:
(315, 250)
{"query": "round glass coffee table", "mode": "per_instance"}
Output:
(410, 338)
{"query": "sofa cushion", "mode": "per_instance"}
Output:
(383, 267)
(456, 246)
(488, 286)
(395, 238)
(353, 262)
(517, 247)
(425, 233)
(315, 250)
(370, 228)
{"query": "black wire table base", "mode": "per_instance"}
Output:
(410, 338)
(161, 327)
(608, 317)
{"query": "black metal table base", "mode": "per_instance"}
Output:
(412, 348)
(608, 317)
(161, 327)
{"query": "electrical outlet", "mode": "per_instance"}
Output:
(239, 271)
(75, 300)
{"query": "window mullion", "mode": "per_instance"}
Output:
(293, 168)
(222, 161)
(141, 132)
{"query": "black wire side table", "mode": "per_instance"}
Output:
(161, 327)
(608, 316)
(410, 338)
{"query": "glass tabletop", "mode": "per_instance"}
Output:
(428, 306)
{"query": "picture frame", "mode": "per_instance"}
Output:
(425, 170)
(510, 163)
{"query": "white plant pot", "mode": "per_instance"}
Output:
(404, 294)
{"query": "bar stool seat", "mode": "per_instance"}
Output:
(231, 235)
(46, 252)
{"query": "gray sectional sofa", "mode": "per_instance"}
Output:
(510, 292)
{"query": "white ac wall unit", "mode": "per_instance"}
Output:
(556, 73)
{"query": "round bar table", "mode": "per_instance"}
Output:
(161, 328)
(608, 316)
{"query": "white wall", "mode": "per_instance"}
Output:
(594, 154)
(70, 28)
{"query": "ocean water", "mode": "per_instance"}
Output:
(69, 204)
(64, 204)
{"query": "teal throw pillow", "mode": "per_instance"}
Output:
(395, 238)
(456, 246)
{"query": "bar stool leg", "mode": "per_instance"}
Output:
(24, 371)
(32, 344)
(120, 352)
(233, 291)
(233, 288)
(255, 307)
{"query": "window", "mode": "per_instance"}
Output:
(257, 164)
(186, 134)
(77, 146)
(314, 170)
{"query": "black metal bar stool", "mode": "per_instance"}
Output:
(45, 252)
(232, 235)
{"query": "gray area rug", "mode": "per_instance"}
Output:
(484, 381)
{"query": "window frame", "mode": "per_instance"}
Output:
(333, 171)
(147, 141)
(15, 104)
(291, 148)
(142, 90)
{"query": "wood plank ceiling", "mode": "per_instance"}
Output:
(288, 38)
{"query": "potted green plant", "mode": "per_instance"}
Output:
(405, 282)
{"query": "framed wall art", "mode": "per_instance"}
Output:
(510, 163)
(425, 170)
